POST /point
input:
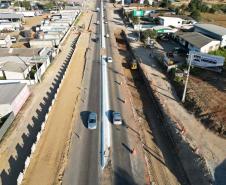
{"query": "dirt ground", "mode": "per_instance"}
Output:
(218, 19)
(208, 90)
(48, 161)
(33, 21)
(159, 172)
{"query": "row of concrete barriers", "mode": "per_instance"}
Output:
(27, 161)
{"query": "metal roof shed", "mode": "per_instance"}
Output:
(12, 97)
(213, 31)
(198, 42)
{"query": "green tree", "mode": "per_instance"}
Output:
(165, 3)
(195, 4)
(49, 5)
(25, 4)
(148, 33)
(212, 10)
(195, 14)
(146, 2)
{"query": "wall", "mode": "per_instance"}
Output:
(14, 75)
(5, 109)
(6, 125)
(212, 46)
(176, 22)
(28, 82)
(42, 69)
(41, 43)
(20, 99)
(223, 41)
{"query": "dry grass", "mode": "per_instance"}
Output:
(32, 21)
(218, 19)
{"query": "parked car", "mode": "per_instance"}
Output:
(13, 39)
(105, 22)
(170, 54)
(98, 22)
(107, 35)
(117, 119)
(179, 50)
(109, 59)
(92, 121)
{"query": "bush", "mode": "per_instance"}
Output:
(219, 52)
(196, 15)
(148, 33)
(25, 4)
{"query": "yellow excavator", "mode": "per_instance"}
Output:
(133, 64)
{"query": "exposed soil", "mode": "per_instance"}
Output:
(158, 158)
(218, 19)
(207, 99)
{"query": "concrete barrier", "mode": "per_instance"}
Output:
(46, 117)
(50, 108)
(20, 178)
(33, 148)
(38, 136)
(43, 126)
(27, 162)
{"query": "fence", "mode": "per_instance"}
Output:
(6, 125)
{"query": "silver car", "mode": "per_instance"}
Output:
(92, 121)
(117, 119)
(109, 59)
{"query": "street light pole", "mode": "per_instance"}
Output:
(186, 83)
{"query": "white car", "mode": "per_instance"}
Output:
(107, 35)
(92, 121)
(117, 119)
(105, 22)
(13, 39)
(109, 59)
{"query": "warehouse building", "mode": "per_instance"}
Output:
(5, 41)
(195, 41)
(213, 31)
(12, 97)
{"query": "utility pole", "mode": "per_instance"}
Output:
(188, 72)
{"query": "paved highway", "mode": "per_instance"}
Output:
(84, 157)
(121, 164)
(83, 165)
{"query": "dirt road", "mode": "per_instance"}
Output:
(52, 148)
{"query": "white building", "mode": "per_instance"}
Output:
(177, 22)
(171, 21)
(5, 41)
(12, 97)
(213, 31)
(195, 41)
(10, 21)
(14, 70)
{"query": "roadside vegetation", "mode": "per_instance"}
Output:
(220, 52)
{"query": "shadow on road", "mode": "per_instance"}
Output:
(220, 174)
(84, 117)
(123, 178)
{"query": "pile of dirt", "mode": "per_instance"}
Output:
(207, 100)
